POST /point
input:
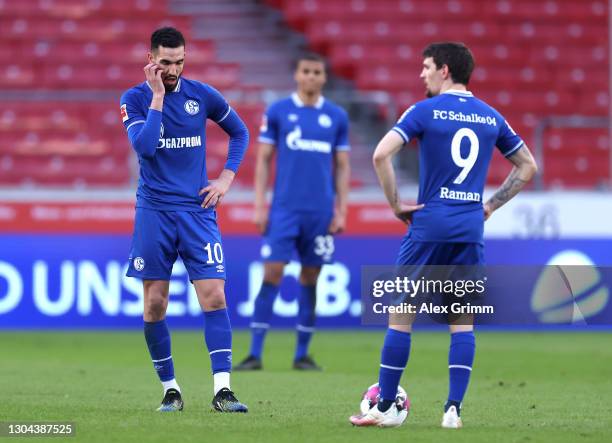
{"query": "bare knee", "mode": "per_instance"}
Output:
(401, 322)
(462, 323)
(309, 275)
(273, 272)
(215, 300)
(453, 329)
(155, 300)
(211, 297)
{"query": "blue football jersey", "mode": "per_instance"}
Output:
(306, 139)
(171, 179)
(456, 133)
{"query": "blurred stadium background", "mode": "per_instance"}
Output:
(68, 174)
(67, 185)
(67, 170)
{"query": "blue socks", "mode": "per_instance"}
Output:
(306, 319)
(158, 342)
(218, 337)
(261, 317)
(263, 312)
(460, 361)
(394, 357)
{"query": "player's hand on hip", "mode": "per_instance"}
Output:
(153, 74)
(260, 218)
(338, 223)
(487, 211)
(217, 189)
(405, 212)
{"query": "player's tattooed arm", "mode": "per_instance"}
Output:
(395, 198)
(523, 171)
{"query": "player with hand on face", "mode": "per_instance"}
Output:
(457, 134)
(165, 118)
(309, 136)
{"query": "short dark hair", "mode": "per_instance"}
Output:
(308, 56)
(167, 37)
(456, 56)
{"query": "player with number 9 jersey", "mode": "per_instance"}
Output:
(457, 134)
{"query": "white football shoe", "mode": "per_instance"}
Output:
(451, 419)
(391, 418)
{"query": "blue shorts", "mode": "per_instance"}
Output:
(444, 261)
(305, 232)
(161, 236)
(439, 253)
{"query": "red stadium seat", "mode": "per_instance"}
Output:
(534, 59)
(74, 45)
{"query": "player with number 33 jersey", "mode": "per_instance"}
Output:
(309, 136)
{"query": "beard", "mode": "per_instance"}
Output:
(171, 87)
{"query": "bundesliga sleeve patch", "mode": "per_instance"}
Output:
(264, 124)
(124, 114)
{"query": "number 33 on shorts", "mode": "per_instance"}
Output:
(324, 246)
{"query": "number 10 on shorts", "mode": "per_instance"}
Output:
(215, 253)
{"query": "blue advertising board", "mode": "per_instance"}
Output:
(78, 281)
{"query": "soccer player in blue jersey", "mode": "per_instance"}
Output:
(165, 118)
(309, 136)
(457, 134)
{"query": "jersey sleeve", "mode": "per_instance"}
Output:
(268, 131)
(410, 124)
(217, 108)
(508, 142)
(141, 123)
(132, 111)
(342, 141)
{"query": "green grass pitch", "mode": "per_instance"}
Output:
(526, 387)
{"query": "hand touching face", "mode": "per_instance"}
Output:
(170, 61)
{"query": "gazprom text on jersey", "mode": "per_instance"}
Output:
(180, 142)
